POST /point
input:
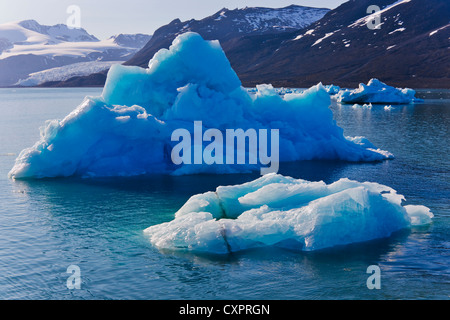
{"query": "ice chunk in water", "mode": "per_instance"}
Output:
(275, 210)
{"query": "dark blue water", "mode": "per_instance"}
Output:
(97, 224)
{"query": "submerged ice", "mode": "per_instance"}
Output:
(281, 211)
(377, 92)
(127, 130)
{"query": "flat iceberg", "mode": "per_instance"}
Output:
(127, 130)
(276, 210)
(377, 92)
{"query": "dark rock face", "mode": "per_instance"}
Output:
(409, 49)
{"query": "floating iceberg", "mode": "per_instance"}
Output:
(127, 130)
(275, 210)
(379, 93)
(332, 89)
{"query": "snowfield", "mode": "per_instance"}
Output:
(29, 37)
(28, 48)
(291, 17)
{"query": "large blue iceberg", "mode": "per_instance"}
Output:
(377, 92)
(276, 210)
(127, 130)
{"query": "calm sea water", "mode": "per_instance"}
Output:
(97, 224)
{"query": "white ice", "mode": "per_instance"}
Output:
(377, 92)
(281, 211)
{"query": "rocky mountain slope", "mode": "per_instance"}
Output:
(287, 48)
(410, 48)
(225, 26)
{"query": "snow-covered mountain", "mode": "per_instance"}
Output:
(22, 36)
(138, 40)
(263, 20)
(28, 47)
(226, 25)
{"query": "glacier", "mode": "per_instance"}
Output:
(127, 130)
(280, 211)
(65, 72)
(377, 92)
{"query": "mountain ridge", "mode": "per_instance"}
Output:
(409, 50)
(224, 25)
(27, 47)
(403, 52)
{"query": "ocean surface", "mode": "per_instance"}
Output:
(96, 224)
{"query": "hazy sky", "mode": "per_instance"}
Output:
(104, 18)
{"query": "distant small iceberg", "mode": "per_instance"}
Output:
(377, 92)
(332, 89)
(281, 211)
